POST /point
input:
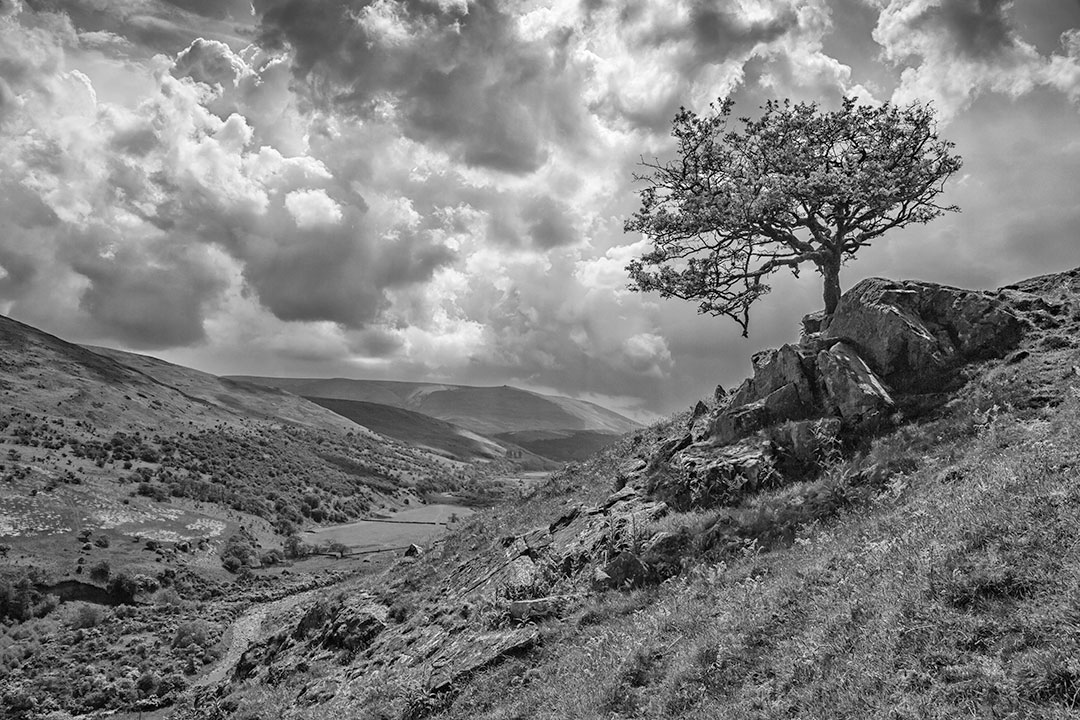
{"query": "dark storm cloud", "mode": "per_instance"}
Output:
(141, 303)
(717, 32)
(540, 223)
(375, 343)
(979, 28)
(692, 37)
(217, 9)
(338, 272)
(465, 81)
(548, 224)
(165, 27)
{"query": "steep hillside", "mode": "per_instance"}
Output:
(144, 505)
(485, 410)
(883, 521)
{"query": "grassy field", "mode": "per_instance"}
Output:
(398, 530)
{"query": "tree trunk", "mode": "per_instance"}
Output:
(830, 272)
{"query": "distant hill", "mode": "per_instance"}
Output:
(564, 446)
(431, 433)
(485, 410)
(236, 399)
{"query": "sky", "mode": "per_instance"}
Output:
(435, 190)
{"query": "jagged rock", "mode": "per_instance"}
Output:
(700, 422)
(354, 626)
(699, 410)
(912, 333)
(773, 370)
(784, 403)
(347, 623)
(852, 389)
(625, 570)
(538, 539)
(738, 422)
(704, 476)
(471, 652)
(782, 389)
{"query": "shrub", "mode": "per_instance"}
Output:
(193, 634)
(99, 571)
(87, 616)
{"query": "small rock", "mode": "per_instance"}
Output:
(414, 550)
(535, 608)
(811, 324)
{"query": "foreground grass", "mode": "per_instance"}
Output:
(955, 592)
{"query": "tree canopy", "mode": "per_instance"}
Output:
(797, 185)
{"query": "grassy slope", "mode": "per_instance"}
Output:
(413, 428)
(561, 445)
(936, 574)
(247, 400)
(953, 592)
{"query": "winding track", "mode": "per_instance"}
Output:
(245, 629)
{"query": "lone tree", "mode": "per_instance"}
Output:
(797, 185)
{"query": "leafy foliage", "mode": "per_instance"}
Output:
(797, 185)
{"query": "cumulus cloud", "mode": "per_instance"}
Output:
(453, 74)
(961, 48)
(436, 188)
(133, 195)
(312, 208)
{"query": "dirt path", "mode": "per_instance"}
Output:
(245, 629)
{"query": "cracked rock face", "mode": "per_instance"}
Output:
(852, 390)
(912, 334)
(890, 344)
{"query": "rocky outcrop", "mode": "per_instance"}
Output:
(913, 334)
(704, 475)
(890, 346)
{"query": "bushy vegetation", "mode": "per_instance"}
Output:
(288, 475)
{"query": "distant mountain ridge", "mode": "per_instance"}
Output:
(486, 410)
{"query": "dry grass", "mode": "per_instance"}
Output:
(950, 589)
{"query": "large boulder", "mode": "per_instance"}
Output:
(705, 475)
(912, 334)
(852, 390)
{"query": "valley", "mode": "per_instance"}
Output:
(226, 564)
(147, 508)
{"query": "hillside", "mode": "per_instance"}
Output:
(142, 501)
(484, 410)
(423, 431)
(882, 522)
